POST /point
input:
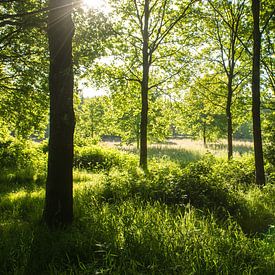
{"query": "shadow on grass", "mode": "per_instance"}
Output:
(10, 183)
(241, 149)
(125, 237)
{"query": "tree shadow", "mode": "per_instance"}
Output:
(239, 148)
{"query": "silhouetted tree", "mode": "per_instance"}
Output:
(258, 150)
(59, 188)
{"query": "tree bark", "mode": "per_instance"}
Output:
(58, 209)
(144, 90)
(229, 119)
(258, 150)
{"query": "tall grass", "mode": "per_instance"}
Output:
(128, 237)
(183, 217)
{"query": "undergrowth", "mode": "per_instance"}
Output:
(205, 217)
(21, 161)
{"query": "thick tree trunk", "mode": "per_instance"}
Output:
(258, 150)
(229, 120)
(59, 188)
(144, 91)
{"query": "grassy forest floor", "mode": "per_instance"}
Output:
(193, 213)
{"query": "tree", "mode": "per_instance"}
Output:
(201, 115)
(95, 117)
(59, 187)
(227, 20)
(23, 69)
(146, 46)
(256, 104)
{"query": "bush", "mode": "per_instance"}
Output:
(99, 158)
(156, 185)
(228, 189)
(201, 187)
(224, 188)
(21, 161)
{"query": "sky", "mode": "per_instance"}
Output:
(92, 92)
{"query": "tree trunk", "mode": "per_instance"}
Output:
(258, 150)
(58, 209)
(137, 131)
(92, 120)
(144, 91)
(204, 135)
(229, 120)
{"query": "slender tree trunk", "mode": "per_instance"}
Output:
(229, 120)
(258, 150)
(204, 135)
(59, 192)
(174, 133)
(137, 131)
(144, 91)
(92, 120)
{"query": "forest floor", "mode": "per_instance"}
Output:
(193, 213)
(217, 148)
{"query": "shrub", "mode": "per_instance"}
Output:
(96, 158)
(21, 161)
(228, 189)
(201, 187)
(156, 185)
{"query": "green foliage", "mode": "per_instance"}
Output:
(21, 161)
(225, 188)
(23, 68)
(95, 117)
(96, 157)
(209, 184)
(244, 131)
(175, 219)
(269, 144)
(269, 131)
(120, 185)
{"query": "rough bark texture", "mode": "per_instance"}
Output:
(58, 209)
(144, 91)
(258, 151)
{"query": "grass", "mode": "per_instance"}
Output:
(129, 237)
(187, 150)
(183, 217)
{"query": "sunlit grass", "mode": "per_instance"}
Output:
(190, 214)
(187, 150)
(134, 237)
(218, 148)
